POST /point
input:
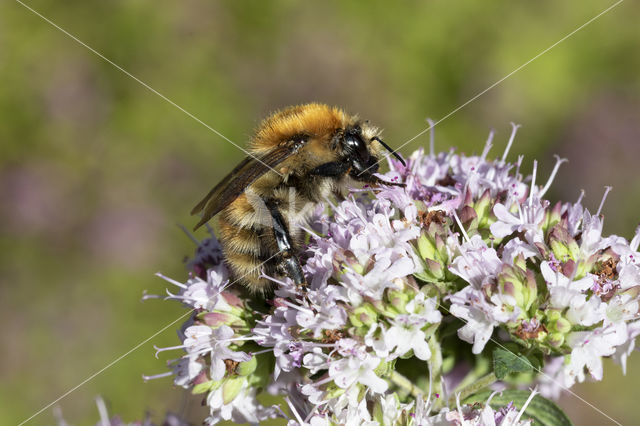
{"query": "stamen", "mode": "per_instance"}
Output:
(189, 234)
(534, 392)
(309, 231)
(459, 409)
(580, 197)
(146, 296)
(533, 183)
(491, 397)
(464, 233)
(430, 384)
(487, 146)
(102, 410)
(168, 348)
(282, 413)
(518, 164)
(559, 162)
(432, 144)
(172, 281)
(294, 411)
(261, 352)
(514, 130)
(604, 197)
(157, 376)
(311, 413)
(298, 308)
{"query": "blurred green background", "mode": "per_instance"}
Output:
(96, 171)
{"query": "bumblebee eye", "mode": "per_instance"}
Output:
(355, 145)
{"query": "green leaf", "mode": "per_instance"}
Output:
(505, 362)
(542, 411)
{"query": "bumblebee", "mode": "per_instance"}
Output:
(299, 156)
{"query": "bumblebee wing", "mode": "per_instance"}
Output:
(234, 184)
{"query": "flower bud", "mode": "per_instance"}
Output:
(563, 246)
(216, 319)
(557, 323)
(556, 339)
(426, 247)
(247, 367)
(552, 217)
(398, 300)
(363, 315)
(231, 388)
(207, 386)
(520, 283)
(483, 208)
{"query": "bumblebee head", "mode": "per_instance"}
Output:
(359, 151)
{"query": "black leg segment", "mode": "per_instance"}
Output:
(369, 178)
(332, 169)
(288, 261)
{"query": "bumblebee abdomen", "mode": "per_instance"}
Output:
(248, 250)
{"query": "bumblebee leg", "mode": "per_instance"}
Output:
(288, 260)
(373, 179)
(332, 169)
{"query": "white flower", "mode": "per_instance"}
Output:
(479, 315)
(566, 293)
(588, 349)
(591, 236)
(528, 220)
(244, 408)
(624, 350)
(376, 339)
(187, 369)
(353, 369)
(516, 247)
(623, 306)
(477, 263)
(201, 339)
(406, 332)
(404, 338)
(391, 409)
(349, 409)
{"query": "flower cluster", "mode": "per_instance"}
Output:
(411, 291)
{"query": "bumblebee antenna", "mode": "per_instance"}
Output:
(395, 154)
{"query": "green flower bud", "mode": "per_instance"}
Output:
(426, 247)
(398, 300)
(556, 340)
(363, 315)
(562, 325)
(231, 388)
(556, 323)
(247, 367)
(585, 266)
(333, 391)
(211, 385)
(358, 268)
(563, 246)
(552, 217)
(519, 283)
(384, 368)
(483, 208)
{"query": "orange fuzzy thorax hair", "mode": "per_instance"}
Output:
(315, 120)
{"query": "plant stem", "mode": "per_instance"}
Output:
(436, 366)
(405, 384)
(467, 391)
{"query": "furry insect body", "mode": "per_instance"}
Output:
(299, 157)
